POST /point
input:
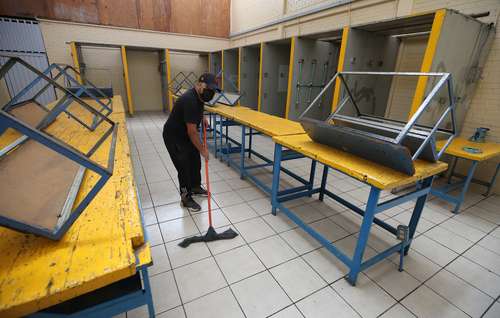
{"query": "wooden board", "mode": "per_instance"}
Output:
(489, 149)
(199, 17)
(35, 184)
(268, 124)
(99, 249)
(118, 13)
(361, 169)
(29, 113)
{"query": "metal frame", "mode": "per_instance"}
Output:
(38, 134)
(180, 80)
(463, 183)
(78, 89)
(373, 207)
(222, 97)
(403, 130)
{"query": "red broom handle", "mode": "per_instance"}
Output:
(209, 194)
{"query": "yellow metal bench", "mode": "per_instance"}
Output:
(105, 245)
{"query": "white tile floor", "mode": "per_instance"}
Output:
(273, 269)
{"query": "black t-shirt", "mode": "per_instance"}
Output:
(187, 109)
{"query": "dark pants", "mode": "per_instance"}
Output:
(186, 159)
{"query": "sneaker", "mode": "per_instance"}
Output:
(188, 202)
(199, 191)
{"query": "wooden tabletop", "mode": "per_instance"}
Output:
(104, 245)
(267, 124)
(362, 169)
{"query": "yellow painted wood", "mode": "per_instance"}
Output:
(99, 249)
(490, 149)
(169, 78)
(430, 51)
(126, 77)
(340, 67)
(357, 167)
(226, 111)
(267, 124)
(76, 63)
(290, 77)
(239, 74)
(143, 255)
(259, 101)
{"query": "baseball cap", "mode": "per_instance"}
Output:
(210, 80)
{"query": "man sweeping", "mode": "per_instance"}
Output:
(180, 134)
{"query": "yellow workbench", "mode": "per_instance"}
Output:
(361, 169)
(488, 151)
(378, 177)
(104, 245)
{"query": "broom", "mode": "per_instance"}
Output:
(211, 234)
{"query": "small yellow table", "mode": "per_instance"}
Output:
(106, 244)
(487, 151)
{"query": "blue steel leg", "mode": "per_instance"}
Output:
(468, 179)
(250, 143)
(242, 152)
(227, 134)
(417, 211)
(323, 183)
(147, 292)
(276, 177)
(220, 135)
(492, 182)
(363, 235)
(310, 186)
(452, 169)
(214, 133)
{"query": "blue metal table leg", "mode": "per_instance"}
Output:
(452, 169)
(147, 292)
(323, 183)
(250, 144)
(311, 177)
(242, 152)
(227, 134)
(465, 188)
(492, 182)
(221, 125)
(417, 211)
(276, 177)
(363, 235)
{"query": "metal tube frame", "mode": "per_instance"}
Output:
(411, 125)
(83, 159)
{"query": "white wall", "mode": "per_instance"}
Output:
(247, 14)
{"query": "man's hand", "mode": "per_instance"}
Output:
(204, 153)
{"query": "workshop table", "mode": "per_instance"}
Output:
(456, 151)
(378, 177)
(265, 124)
(97, 267)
